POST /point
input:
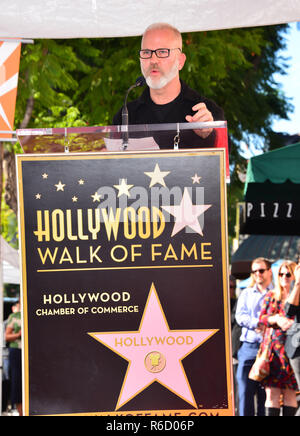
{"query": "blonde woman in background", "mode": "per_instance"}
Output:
(292, 345)
(281, 381)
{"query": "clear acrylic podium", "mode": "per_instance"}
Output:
(142, 137)
(111, 138)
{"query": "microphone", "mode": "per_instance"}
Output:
(140, 81)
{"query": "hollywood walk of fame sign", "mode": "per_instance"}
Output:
(125, 294)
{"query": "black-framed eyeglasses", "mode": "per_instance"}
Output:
(159, 52)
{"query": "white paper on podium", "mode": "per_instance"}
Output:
(134, 144)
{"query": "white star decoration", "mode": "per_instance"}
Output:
(96, 197)
(186, 214)
(60, 186)
(196, 179)
(157, 176)
(123, 188)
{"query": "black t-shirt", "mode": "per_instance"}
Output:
(160, 112)
(144, 111)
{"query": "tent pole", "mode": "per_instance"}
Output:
(1, 280)
(1, 326)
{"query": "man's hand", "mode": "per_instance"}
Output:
(202, 115)
(260, 328)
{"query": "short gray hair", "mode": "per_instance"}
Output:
(165, 26)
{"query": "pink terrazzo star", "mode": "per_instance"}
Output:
(154, 353)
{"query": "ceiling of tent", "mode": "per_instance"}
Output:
(115, 18)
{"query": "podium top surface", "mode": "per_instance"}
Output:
(112, 138)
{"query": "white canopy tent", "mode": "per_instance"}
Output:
(117, 18)
(10, 263)
(11, 274)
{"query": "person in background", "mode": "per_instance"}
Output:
(13, 336)
(292, 345)
(247, 316)
(235, 336)
(5, 372)
(281, 381)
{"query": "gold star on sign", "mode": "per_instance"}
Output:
(74, 199)
(45, 176)
(157, 176)
(96, 197)
(81, 182)
(123, 188)
(60, 186)
(38, 196)
(196, 179)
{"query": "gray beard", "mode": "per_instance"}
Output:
(163, 81)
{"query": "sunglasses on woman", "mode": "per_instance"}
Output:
(288, 275)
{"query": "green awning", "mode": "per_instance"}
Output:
(277, 166)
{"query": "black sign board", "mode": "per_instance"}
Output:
(270, 217)
(124, 277)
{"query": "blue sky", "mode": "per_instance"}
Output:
(291, 82)
(290, 86)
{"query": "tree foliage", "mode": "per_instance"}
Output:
(86, 79)
(82, 82)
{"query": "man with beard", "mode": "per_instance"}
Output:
(167, 99)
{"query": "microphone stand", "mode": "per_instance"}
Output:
(140, 81)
